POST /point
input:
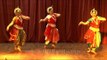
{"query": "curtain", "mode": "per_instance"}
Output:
(72, 12)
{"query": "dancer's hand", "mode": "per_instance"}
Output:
(58, 15)
(80, 23)
(7, 29)
(40, 20)
(25, 17)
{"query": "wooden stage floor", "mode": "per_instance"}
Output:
(63, 51)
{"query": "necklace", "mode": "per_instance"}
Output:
(95, 20)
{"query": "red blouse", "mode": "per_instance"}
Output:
(52, 19)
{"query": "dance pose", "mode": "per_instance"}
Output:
(15, 29)
(93, 35)
(51, 32)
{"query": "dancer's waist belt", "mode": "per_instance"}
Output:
(94, 29)
(52, 25)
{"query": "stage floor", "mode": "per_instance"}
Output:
(63, 51)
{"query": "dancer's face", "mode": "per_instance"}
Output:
(51, 11)
(93, 14)
(18, 14)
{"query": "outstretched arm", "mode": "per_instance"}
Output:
(43, 20)
(101, 18)
(83, 23)
(57, 14)
(25, 17)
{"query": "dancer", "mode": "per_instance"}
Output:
(15, 29)
(93, 35)
(51, 32)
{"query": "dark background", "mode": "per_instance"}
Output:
(72, 12)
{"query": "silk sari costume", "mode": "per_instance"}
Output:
(51, 32)
(15, 29)
(17, 34)
(93, 35)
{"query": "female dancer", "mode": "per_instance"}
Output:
(15, 29)
(51, 32)
(93, 33)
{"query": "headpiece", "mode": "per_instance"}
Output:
(49, 9)
(17, 10)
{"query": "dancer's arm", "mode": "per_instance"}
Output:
(45, 19)
(25, 17)
(12, 22)
(84, 23)
(57, 14)
(101, 18)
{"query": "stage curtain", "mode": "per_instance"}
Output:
(72, 12)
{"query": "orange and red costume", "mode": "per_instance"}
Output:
(51, 32)
(93, 35)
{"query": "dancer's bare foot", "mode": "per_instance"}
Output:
(89, 50)
(53, 46)
(19, 49)
(45, 46)
(93, 52)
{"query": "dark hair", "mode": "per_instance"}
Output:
(50, 9)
